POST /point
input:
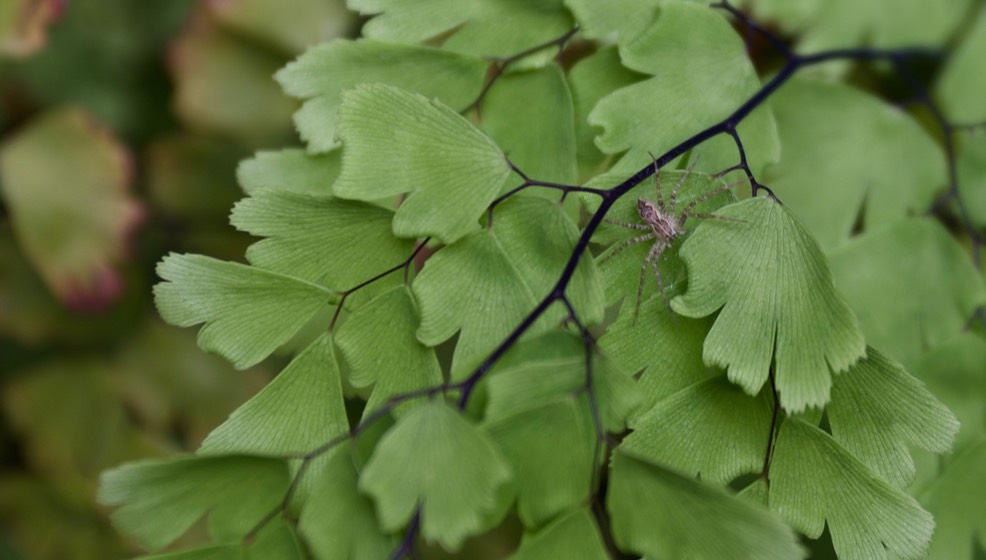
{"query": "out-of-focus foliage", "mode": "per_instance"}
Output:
(121, 127)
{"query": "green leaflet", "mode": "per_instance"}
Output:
(398, 142)
(712, 429)
(299, 410)
(528, 115)
(880, 24)
(956, 499)
(814, 481)
(701, 75)
(323, 72)
(574, 536)
(290, 169)
(971, 171)
(276, 541)
(550, 367)
(433, 458)
(160, 499)
(319, 238)
(212, 69)
(960, 81)
(248, 312)
(885, 166)
(379, 347)
(878, 410)
(935, 290)
(486, 283)
(337, 522)
(550, 451)
(591, 79)
(489, 28)
(662, 514)
(954, 373)
(306, 23)
(64, 182)
(627, 17)
(778, 305)
(666, 346)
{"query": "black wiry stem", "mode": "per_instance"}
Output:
(588, 344)
(528, 182)
(404, 265)
(772, 435)
(754, 27)
(948, 139)
(609, 197)
(500, 66)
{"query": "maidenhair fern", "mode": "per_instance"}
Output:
(451, 265)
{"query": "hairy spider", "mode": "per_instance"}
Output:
(663, 224)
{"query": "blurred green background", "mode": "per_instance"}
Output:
(121, 126)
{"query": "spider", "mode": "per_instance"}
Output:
(663, 225)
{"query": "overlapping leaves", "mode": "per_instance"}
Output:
(770, 280)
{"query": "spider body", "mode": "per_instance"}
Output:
(664, 224)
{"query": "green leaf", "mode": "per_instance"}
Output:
(960, 80)
(881, 24)
(954, 373)
(878, 410)
(337, 522)
(530, 114)
(574, 536)
(378, 344)
(626, 17)
(398, 142)
(491, 28)
(814, 481)
(662, 514)
(274, 542)
(701, 75)
(436, 460)
(881, 169)
(971, 170)
(956, 499)
(591, 79)
(221, 552)
(64, 180)
(323, 72)
(778, 304)
(299, 410)
(212, 69)
(485, 284)
(550, 451)
(290, 169)
(935, 290)
(160, 499)
(549, 367)
(667, 347)
(248, 312)
(307, 22)
(712, 429)
(319, 238)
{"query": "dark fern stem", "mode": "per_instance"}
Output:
(793, 63)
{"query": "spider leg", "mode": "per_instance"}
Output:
(681, 181)
(714, 217)
(624, 245)
(627, 225)
(686, 213)
(653, 257)
(657, 185)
